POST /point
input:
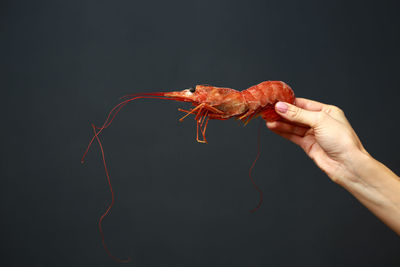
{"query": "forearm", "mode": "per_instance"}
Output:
(377, 188)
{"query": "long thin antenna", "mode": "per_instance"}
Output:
(109, 206)
(114, 111)
(252, 166)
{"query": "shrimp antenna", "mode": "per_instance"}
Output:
(251, 168)
(97, 130)
(116, 109)
(109, 206)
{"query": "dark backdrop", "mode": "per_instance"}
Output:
(180, 203)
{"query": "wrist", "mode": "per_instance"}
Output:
(368, 177)
(375, 186)
(357, 165)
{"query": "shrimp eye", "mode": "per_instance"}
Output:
(192, 89)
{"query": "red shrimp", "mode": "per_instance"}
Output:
(210, 103)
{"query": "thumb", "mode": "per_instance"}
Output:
(296, 114)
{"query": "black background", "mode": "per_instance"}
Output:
(179, 202)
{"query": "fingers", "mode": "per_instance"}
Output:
(298, 140)
(289, 131)
(284, 127)
(309, 104)
(298, 115)
(307, 143)
(312, 105)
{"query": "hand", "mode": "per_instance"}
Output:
(323, 132)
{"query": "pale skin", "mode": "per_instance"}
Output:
(326, 136)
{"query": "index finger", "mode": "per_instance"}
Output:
(308, 104)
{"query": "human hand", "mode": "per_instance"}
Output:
(324, 133)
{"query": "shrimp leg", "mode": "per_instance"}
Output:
(201, 118)
(200, 107)
(200, 121)
(204, 129)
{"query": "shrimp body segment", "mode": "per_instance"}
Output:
(261, 99)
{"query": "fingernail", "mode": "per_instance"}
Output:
(282, 107)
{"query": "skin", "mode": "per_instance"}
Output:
(326, 136)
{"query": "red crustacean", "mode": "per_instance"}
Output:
(217, 103)
(210, 103)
